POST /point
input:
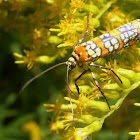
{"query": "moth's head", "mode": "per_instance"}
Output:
(71, 63)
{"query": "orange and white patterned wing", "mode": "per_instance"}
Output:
(121, 37)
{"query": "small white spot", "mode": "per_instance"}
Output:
(116, 46)
(136, 31)
(96, 83)
(126, 35)
(80, 53)
(126, 45)
(89, 42)
(107, 44)
(122, 29)
(83, 44)
(87, 47)
(132, 37)
(114, 41)
(91, 52)
(122, 36)
(94, 55)
(128, 28)
(80, 40)
(126, 40)
(106, 35)
(101, 36)
(93, 46)
(98, 51)
(130, 33)
(110, 49)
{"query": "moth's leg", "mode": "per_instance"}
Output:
(107, 68)
(96, 83)
(78, 79)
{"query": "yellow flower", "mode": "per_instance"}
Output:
(82, 133)
(131, 56)
(109, 75)
(77, 5)
(29, 59)
(54, 108)
(137, 134)
(33, 129)
(92, 113)
(66, 27)
(59, 125)
(115, 18)
(115, 15)
(137, 104)
(70, 28)
(69, 42)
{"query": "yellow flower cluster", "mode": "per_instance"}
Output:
(87, 110)
(90, 112)
(66, 23)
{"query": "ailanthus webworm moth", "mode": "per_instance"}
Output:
(121, 37)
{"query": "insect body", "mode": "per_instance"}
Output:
(115, 40)
(90, 51)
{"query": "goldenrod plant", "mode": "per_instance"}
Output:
(36, 35)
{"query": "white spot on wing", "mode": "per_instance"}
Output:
(89, 42)
(90, 52)
(111, 49)
(93, 46)
(98, 51)
(107, 44)
(114, 41)
(116, 46)
(87, 47)
(83, 44)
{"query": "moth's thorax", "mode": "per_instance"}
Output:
(87, 51)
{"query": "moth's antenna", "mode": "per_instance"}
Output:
(31, 80)
(69, 91)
